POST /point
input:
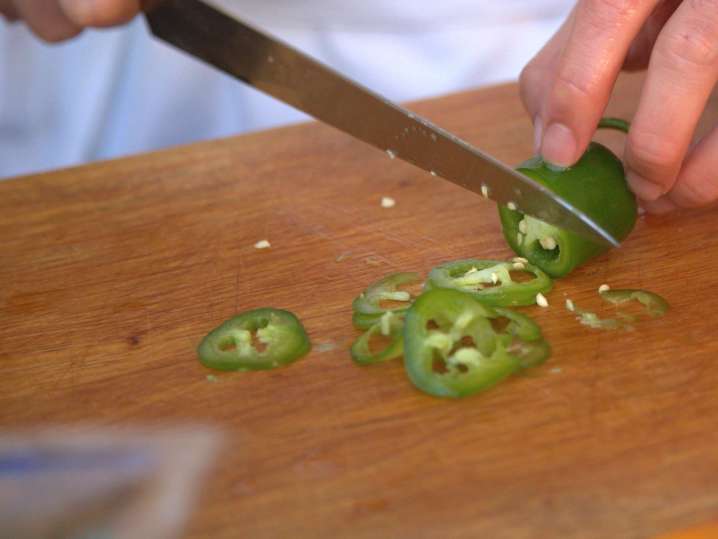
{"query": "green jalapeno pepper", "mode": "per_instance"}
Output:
(490, 281)
(368, 307)
(451, 349)
(520, 325)
(391, 326)
(253, 340)
(596, 185)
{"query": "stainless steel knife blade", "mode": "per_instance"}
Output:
(296, 79)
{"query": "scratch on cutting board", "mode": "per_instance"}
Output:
(148, 322)
(593, 381)
(326, 347)
(427, 436)
(237, 282)
(376, 260)
(76, 366)
(398, 239)
(361, 217)
(317, 230)
(236, 293)
(213, 262)
(405, 241)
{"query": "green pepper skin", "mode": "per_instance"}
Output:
(364, 321)
(595, 185)
(520, 325)
(361, 352)
(453, 275)
(368, 303)
(435, 330)
(229, 347)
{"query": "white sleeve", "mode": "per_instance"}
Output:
(115, 92)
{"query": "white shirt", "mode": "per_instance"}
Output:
(115, 92)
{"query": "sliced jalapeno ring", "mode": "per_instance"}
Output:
(451, 350)
(529, 353)
(520, 325)
(390, 326)
(490, 281)
(254, 340)
(364, 321)
(370, 301)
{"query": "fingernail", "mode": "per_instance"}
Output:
(558, 146)
(642, 188)
(538, 134)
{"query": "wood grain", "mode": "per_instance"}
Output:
(110, 274)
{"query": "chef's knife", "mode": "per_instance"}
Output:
(296, 79)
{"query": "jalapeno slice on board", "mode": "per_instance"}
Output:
(390, 326)
(491, 282)
(255, 340)
(451, 349)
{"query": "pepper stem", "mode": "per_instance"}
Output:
(614, 123)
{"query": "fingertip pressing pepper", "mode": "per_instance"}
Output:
(596, 185)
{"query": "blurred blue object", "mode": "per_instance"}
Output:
(72, 483)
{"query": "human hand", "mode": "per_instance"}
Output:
(566, 87)
(57, 20)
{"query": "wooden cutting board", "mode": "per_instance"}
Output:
(110, 274)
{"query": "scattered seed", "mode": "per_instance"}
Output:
(603, 288)
(520, 259)
(494, 278)
(325, 347)
(391, 154)
(548, 243)
(387, 202)
(262, 244)
(523, 226)
(541, 300)
(432, 173)
(519, 265)
(511, 206)
(485, 190)
(570, 306)
(385, 322)
(556, 370)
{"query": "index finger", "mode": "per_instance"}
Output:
(592, 57)
(681, 75)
